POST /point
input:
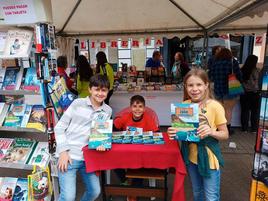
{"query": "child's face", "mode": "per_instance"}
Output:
(196, 88)
(137, 109)
(98, 94)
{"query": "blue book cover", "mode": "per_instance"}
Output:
(21, 190)
(148, 137)
(137, 134)
(10, 78)
(265, 82)
(31, 82)
(15, 115)
(117, 137)
(101, 134)
(128, 137)
(158, 138)
(185, 116)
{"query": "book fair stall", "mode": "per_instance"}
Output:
(33, 97)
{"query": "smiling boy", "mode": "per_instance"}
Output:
(72, 134)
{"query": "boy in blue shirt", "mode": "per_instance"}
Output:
(72, 134)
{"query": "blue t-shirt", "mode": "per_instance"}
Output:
(151, 63)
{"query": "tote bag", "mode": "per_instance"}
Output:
(235, 88)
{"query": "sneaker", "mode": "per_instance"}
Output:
(131, 198)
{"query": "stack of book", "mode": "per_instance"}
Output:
(134, 135)
(22, 115)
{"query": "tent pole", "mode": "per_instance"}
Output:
(70, 16)
(205, 44)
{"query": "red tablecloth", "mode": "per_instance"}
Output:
(141, 156)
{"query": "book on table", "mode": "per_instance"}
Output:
(185, 117)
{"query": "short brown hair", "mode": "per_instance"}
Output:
(224, 53)
(137, 99)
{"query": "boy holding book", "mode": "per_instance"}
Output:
(72, 134)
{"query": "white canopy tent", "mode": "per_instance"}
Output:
(166, 17)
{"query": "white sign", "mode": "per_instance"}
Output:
(18, 11)
(3, 36)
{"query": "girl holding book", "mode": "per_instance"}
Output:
(203, 159)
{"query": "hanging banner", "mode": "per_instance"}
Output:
(83, 45)
(18, 11)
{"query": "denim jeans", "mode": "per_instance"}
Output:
(67, 182)
(205, 188)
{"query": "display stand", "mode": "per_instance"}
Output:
(259, 185)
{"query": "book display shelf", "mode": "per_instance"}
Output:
(26, 131)
(259, 183)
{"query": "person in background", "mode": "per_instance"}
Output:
(203, 159)
(154, 62)
(223, 66)
(215, 50)
(72, 134)
(84, 74)
(180, 68)
(249, 101)
(104, 68)
(62, 66)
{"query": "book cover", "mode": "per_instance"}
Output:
(8, 188)
(41, 65)
(137, 134)
(26, 116)
(264, 140)
(265, 83)
(101, 134)
(128, 137)
(61, 97)
(3, 112)
(117, 137)
(40, 156)
(263, 121)
(21, 190)
(185, 116)
(18, 43)
(148, 137)
(31, 83)
(20, 151)
(37, 118)
(10, 63)
(2, 76)
(10, 79)
(15, 115)
(158, 138)
(5, 143)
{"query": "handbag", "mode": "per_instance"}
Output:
(235, 88)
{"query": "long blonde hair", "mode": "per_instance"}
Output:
(203, 76)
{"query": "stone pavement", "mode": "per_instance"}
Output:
(236, 174)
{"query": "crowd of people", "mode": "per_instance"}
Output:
(203, 159)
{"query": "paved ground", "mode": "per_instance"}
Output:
(236, 174)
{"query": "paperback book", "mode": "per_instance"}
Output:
(15, 115)
(13, 78)
(21, 190)
(117, 137)
(158, 138)
(3, 112)
(101, 134)
(31, 83)
(5, 144)
(40, 156)
(148, 137)
(37, 118)
(136, 134)
(19, 151)
(2, 76)
(18, 44)
(185, 117)
(260, 169)
(8, 188)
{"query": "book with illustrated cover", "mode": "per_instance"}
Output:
(158, 138)
(41, 64)
(13, 78)
(31, 83)
(101, 134)
(136, 134)
(185, 117)
(265, 83)
(18, 44)
(2, 76)
(40, 156)
(3, 112)
(26, 116)
(15, 115)
(148, 137)
(37, 118)
(117, 137)
(5, 143)
(61, 97)
(21, 190)
(260, 168)
(128, 137)
(19, 151)
(8, 188)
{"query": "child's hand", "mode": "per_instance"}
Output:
(101, 148)
(172, 132)
(64, 159)
(204, 131)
